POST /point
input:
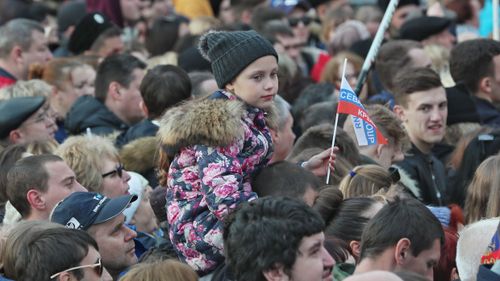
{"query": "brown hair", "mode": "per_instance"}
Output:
(484, 185)
(411, 80)
(388, 123)
(157, 271)
(392, 58)
(28, 173)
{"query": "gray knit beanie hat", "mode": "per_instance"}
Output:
(230, 52)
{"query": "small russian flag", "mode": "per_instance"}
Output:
(366, 131)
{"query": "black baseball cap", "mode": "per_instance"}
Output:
(81, 210)
(14, 111)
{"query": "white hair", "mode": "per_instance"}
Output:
(472, 244)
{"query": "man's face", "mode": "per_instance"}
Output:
(313, 262)
(40, 126)
(401, 14)
(37, 53)
(424, 263)
(291, 45)
(116, 244)
(283, 140)
(424, 117)
(131, 100)
(61, 183)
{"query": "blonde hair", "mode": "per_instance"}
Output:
(85, 155)
(31, 88)
(171, 270)
(482, 187)
(365, 180)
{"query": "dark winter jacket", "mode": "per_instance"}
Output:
(145, 128)
(88, 112)
(428, 173)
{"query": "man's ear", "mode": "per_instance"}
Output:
(275, 274)
(35, 199)
(114, 90)
(402, 251)
(400, 112)
(15, 136)
(16, 54)
(485, 85)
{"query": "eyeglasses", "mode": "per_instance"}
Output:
(96, 266)
(118, 171)
(295, 21)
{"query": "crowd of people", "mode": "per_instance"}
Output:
(191, 140)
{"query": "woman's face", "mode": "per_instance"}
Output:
(81, 83)
(144, 218)
(115, 179)
(257, 84)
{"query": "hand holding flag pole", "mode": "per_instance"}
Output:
(365, 129)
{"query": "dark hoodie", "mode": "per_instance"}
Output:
(88, 112)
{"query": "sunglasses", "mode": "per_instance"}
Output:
(118, 171)
(295, 21)
(98, 268)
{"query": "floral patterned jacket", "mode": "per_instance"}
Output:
(218, 144)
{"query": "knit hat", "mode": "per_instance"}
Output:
(86, 32)
(231, 52)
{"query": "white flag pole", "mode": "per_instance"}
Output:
(495, 20)
(335, 126)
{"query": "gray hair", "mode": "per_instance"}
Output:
(17, 32)
(282, 111)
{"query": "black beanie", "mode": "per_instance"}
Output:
(86, 32)
(231, 52)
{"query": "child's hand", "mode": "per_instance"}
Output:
(319, 163)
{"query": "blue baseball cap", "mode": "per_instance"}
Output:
(81, 210)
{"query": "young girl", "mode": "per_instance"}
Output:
(215, 144)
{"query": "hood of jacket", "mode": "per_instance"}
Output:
(211, 122)
(88, 112)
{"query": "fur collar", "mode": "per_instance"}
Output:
(211, 122)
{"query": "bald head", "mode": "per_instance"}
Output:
(374, 276)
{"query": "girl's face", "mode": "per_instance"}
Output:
(257, 84)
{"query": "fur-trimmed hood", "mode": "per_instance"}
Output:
(409, 182)
(211, 122)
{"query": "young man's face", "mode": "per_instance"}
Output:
(424, 117)
(424, 263)
(131, 108)
(60, 184)
(313, 262)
